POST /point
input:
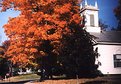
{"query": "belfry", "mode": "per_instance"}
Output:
(90, 13)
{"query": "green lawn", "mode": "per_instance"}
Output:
(24, 77)
(27, 77)
(111, 79)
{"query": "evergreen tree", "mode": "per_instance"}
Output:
(117, 12)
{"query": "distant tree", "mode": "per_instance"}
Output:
(103, 25)
(117, 12)
(42, 33)
(4, 66)
(6, 44)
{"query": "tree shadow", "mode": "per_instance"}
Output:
(95, 82)
(19, 82)
(68, 78)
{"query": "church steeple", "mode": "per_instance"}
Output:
(85, 3)
(96, 4)
(90, 12)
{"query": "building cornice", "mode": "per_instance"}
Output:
(89, 8)
(106, 43)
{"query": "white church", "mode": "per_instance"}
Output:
(108, 43)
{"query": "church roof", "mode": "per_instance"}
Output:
(107, 37)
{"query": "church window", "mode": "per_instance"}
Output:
(117, 60)
(92, 20)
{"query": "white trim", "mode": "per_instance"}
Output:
(108, 43)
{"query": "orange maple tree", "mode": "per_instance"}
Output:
(39, 20)
(49, 33)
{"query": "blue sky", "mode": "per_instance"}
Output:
(4, 16)
(105, 13)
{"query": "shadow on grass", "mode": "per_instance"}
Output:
(95, 82)
(19, 82)
(67, 78)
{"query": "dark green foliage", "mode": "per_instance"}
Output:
(4, 63)
(4, 67)
(48, 62)
(77, 56)
(103, 25)
(117, 12)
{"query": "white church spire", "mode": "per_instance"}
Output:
(96, 4)
(91, 17)
(86, 2)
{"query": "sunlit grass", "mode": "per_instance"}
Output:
(24, 77)
(27, 77)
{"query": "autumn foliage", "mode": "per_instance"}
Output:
(39, 20)
(49, 33)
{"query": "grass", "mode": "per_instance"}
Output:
(99, 80)
(23, 77)
(27, 77)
